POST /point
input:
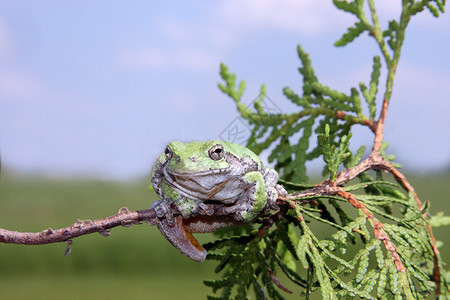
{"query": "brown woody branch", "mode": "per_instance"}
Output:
(79, 228)
(373, 162)
(407, 186)
(379, 128)
(377, 228)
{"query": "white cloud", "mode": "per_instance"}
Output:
(175, 29)
(144, 57)
(426, 91)
(416, 125)
(388, 10)
(6, 42)
(184, 46)
(151, 57)
(197, 46)
(417, 121)
(18, 84)
(306, 17)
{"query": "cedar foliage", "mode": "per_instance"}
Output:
(351, 260)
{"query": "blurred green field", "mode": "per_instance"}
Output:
(133, 263)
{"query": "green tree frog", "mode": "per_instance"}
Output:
(213, 184)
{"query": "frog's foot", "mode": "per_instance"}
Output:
(272, 196)
(241, 213)
(205, 209)
(182, 239)
(281, 191)
(235, 211)
(163, 210)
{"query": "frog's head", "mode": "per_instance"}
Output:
(210, 170)
(195, 157)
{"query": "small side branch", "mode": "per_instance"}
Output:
(408, 187)
(377, 228)
(79, 228)
(379, 135)
(330, 188)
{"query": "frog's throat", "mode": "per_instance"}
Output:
(190, 184)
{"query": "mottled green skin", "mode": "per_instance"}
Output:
(240, 168)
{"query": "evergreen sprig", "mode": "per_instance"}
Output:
(357, 234)
(333, 155)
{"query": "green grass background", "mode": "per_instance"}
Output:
(133, 263)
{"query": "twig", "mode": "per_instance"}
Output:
(332, 188)
(379, 128)
(408, 187)
(377, 228)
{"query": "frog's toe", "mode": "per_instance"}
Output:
(205, 209)
(158, 207)
(235, 211)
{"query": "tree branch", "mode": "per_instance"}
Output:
(379, 135)
(79, 228)
(408, 187)
(377, 228)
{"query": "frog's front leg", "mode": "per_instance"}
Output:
(256, 197)
(273, 188)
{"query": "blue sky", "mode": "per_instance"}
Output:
(99, 87)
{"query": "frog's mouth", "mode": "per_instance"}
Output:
(206, 185)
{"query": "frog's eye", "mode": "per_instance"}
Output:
(168, 153)
(216, 152)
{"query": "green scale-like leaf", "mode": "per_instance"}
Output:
(352, 33)
(349, 262)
